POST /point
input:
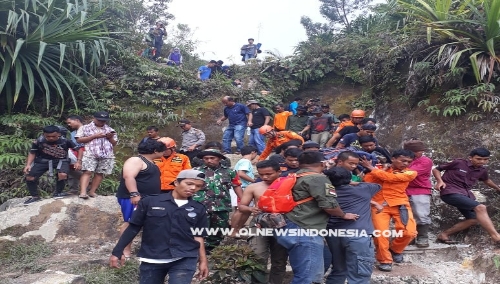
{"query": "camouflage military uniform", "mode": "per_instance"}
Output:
(217, 199)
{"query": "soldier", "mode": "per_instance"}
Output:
(215, 195)
(192, 139)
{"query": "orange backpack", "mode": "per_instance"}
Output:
(278, 197)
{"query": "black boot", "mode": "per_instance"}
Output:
(422, 240)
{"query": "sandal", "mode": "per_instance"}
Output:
(83, 196)
(93, 195)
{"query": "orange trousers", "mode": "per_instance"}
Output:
(381, 222)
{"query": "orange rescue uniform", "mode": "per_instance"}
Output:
(280, 120)
(170, 167)
(280, 138)
(342, 125)
(392, 196)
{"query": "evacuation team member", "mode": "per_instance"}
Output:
(140, 178)
(276, 138)
(215, 194)
(455, 188)
(352, 257)
(171, 164)
(74, 122)
(48, 153)
(167, 247)
(263, 246)
(306, 253)
(98, 158)
(394, 181)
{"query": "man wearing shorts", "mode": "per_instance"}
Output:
(48, 153)
(455, 189)
(98, 158)
(140, 178)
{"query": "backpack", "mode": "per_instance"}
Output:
(278, 197)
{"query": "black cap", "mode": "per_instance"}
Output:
(212, 61)
(250, 39)
(101, 115)
(220, 62)
(183, 122)
(308, 145)
(325, 105)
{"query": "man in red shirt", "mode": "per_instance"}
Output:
(455, 189)
(419, 191)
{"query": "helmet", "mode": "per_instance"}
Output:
(265, 129)
(358, 113)
(169, 142)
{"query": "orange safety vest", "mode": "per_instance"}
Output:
(280, 138)
(170, 167)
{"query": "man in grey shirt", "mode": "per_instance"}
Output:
(192, 139)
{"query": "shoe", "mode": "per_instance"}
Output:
(83, 196)
(387, 267)
(31, 200)
(59, 195)
(396, 257)
(92, 195)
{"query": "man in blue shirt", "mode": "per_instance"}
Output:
(237, 114)
(352, 138)
(294, 105)
(352, 257)
(205, 71)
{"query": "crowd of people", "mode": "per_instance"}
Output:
(343, 180)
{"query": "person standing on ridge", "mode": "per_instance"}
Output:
(98, 158)
(238, 115)
(249, 50)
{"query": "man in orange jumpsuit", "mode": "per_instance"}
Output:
(394, 181)
(171, 164)
(275, 139)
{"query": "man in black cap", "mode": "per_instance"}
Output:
(98, 158)
(216, 194)
(297, 122)
(168, 248)
(325, 108)
(192, 139)
(320, 127)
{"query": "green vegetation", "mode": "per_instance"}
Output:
(99, 274)
(440, 55)
(235, 264)
(24, 256)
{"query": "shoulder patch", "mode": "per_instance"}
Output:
(330, 190)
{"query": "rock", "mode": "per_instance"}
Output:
(48, 277)
(70, 219)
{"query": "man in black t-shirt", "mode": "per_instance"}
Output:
(258, 117)
(48, 152)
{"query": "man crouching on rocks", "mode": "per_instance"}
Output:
(168, 248)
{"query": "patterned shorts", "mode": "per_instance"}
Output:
(100, 166)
